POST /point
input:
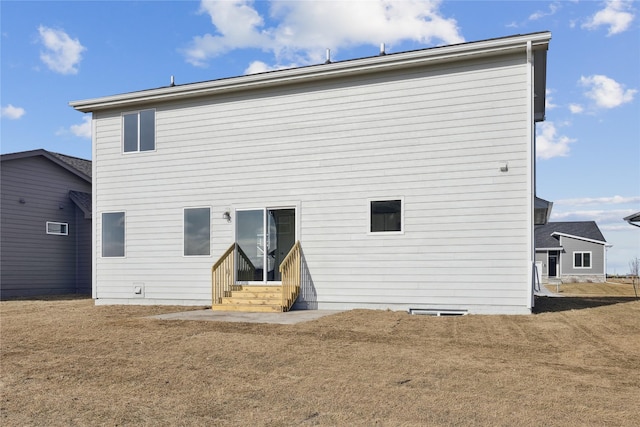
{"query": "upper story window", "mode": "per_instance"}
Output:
(139, 131)
(385, 216)
(582, 260)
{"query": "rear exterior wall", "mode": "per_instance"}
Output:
(435, 138)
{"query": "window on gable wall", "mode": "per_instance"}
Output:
(582, 259)
(139, 131)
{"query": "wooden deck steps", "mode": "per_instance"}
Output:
(252, 299)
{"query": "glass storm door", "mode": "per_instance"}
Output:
(264, 238)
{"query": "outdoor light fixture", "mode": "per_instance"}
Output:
(226, 215)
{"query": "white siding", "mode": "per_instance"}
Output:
(434, 137)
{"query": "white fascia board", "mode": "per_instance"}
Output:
(317, 72)
(555, 233)
(557, 248)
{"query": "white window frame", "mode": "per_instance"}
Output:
(385, 199)
(210, 231)
(582, 258)
(64, 225)
(155, 131)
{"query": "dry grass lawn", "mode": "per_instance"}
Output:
(66, 362)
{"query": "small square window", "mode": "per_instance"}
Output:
(582, 259)
(58, 228)
(385, 216)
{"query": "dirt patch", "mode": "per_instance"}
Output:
(68, 362)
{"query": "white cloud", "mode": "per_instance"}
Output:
(612, 200)
(12, 113)
(553, 7)
(617, 15)
(606, 92)
(548, 103)
(261, 67)
(604, 216)
(306, 29)
(82, 130)
(576, 108)
(62, 54)
(549, 144)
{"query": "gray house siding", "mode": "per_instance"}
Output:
(597, 270)
(36, 190)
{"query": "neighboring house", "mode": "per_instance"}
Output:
(406, 178)
(633, 219)
(571, 252)
(45, 224)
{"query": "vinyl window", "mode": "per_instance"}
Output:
(197, 231)
(386, 216)
(57, 228)
(582, 260)
(139, 131)
(113, 234)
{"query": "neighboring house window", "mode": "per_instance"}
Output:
(197, 231)
(139, 131)
(113, 234)
(582, 260)
(57, 228)
(385, 216)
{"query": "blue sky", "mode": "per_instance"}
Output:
(53, 52)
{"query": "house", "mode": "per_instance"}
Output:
(45, 224)
(400, 181)
(571, 252)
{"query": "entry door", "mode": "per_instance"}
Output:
(553, 265)
(264, 238)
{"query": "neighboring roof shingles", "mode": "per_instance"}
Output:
(584, 229)
(82, 165)
(76, 165)
(82, 200)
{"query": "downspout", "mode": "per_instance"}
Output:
(531, 175)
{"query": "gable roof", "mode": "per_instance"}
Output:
(75, 165)
(534, 44)
(584, 230)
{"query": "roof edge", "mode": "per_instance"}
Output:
(557, 233)
(48, 155)
(447, 53)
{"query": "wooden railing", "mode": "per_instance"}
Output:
(223, 272)
(290, 271)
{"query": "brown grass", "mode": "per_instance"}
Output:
(621, 287)
(68, 362)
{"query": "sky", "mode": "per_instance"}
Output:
(588, 149)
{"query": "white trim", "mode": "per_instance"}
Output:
(556, 233)
(549, 249)
(573, 257)
(94, 204)
(65, 228)
(352, 67)
(385, 199)
(210, 231)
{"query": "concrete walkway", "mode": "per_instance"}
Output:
(544, 292)
(288, 318)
